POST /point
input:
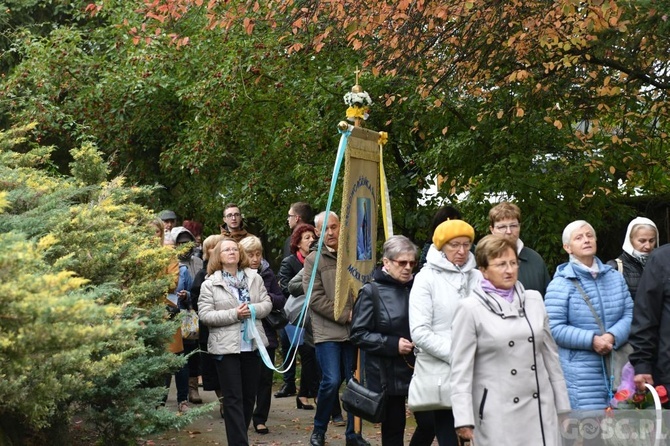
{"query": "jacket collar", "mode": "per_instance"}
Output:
(436, 260)
(500, 306)
(380, 276)
(571, 271)
(217, 277)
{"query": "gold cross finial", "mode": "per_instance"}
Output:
(357, 88)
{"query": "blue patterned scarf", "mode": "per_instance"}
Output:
(239, 282)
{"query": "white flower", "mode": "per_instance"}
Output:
(357, 99)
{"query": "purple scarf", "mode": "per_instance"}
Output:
(488, 287)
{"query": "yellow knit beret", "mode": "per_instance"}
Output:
(451, 229)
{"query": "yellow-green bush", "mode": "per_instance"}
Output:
(82, 323)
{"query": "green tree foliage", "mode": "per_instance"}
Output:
(224, 117)
(561, 106)
(82, 286)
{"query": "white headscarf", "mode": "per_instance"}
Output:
(628, 245)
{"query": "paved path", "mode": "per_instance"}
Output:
(288, 426)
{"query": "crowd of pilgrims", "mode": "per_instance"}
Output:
(478, 341)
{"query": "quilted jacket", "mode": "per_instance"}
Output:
(573, 326)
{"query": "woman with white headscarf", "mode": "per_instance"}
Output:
(641, 238)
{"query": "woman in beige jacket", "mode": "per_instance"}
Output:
(228, 297)
(506, 380)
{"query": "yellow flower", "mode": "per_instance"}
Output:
(356, 112)
(383, 138)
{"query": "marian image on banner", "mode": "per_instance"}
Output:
(364, 236)
(357, 246)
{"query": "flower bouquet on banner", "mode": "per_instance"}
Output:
(634, 417)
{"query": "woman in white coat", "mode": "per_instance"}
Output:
(447, 277)
(507, 384)
(228, 297)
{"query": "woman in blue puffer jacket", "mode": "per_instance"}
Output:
(583, 346)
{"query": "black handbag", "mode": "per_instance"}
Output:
(356, 398)
(277, 319)
(364, 403)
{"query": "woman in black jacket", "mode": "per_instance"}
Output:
(302, 238)
(380, 327)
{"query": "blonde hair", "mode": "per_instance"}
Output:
(160, 228)
(209, 243)
(251, 243)
(215, 262)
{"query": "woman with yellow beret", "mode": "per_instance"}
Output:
(448, 276)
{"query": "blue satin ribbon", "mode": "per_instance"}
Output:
(250, 324)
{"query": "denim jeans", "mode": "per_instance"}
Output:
(333, 356)
(180, 380)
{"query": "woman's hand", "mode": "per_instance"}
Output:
(405, 346)
(465, 433)
(603, 344)
(243, 312)
(642, 379)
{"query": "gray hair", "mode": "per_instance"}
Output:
(572, 227)
(318, 220)
(639, 226)
(397, 245)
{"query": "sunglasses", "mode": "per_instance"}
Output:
(404, 263)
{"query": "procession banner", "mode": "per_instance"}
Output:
(356, 256)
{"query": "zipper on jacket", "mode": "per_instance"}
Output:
(481, 404)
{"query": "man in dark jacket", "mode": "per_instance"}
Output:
(233, 223)
(650, 331)
(299, 212)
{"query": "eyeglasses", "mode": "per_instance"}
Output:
(235, 215)
(457, 246)
(404, 263)
(233, 249)
(291, 216)
(504, 228)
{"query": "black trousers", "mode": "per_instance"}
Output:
(210, 377)
(238, 376)
(425, 429)
(309, 372)
(444, 427)
(194, 368)
(264, 394)
(393, 425)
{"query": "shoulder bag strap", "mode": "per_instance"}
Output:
(588, 302)
(619, 265)
(376, 305)
(608, 374)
